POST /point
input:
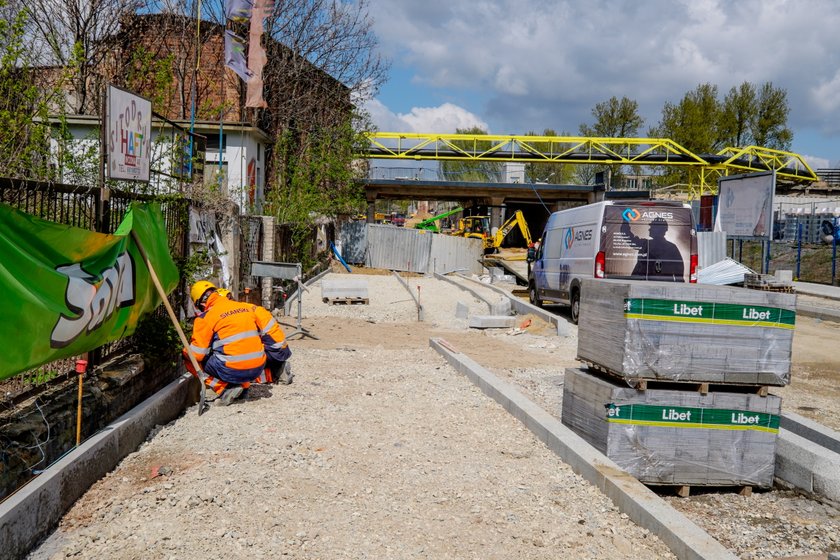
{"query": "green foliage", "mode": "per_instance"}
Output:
(156, 338)
(614, 118)
(477, 171)
(769, 128)
(24, 136)
(315, 177)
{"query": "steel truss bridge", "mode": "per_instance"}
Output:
(657, 153)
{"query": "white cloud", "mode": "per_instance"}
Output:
(443, 119)
(532, 64)
(816, 162)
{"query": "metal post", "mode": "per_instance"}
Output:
(767, 256)
(834, 258)
(798, 248)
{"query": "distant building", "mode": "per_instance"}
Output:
(241, 137)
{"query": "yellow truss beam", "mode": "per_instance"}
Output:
(587, 150)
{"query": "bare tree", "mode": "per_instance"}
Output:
(70, 33)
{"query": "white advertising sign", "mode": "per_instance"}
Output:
(129, 135)
(745, 205)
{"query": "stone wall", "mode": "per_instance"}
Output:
(35, 434)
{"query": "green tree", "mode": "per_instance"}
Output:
(477, 171)
(614, 118)
(24, 134)
(737, 115)
(694, 121)
(769, 129)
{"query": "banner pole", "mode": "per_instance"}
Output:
(81, 367)
(199, 372)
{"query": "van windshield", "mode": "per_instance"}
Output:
(648, 242)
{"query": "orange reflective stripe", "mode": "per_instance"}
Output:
(217, 385)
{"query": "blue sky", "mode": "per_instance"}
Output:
(516, 66)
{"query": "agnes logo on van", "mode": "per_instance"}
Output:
(573, 235)
(630, 215)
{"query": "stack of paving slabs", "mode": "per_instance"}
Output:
(676, 386)
(675, 437)
(686, 332)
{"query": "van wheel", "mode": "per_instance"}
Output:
(532, 295)
(575, 306)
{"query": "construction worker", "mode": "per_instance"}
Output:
(277, 351)
(227, 341)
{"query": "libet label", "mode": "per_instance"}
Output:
(691, 417)
(708, 312)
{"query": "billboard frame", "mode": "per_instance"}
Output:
(726, 199)
(110, 149)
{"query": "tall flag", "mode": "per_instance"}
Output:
(238, 10)
(257, 58)
(235, 55)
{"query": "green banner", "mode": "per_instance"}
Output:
(709, 312)
(66, 290)
(691, 417)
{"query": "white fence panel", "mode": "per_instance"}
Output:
(396, 248)
(451, 253)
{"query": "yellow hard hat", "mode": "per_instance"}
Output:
(199, 288)
(224, 292)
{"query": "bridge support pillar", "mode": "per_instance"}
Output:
(496, 214)
(371, 211)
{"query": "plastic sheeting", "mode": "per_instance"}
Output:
(687, 332)
(723, 273)
(668, 436)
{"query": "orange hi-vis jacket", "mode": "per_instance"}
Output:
(230, 332)
(273, 337)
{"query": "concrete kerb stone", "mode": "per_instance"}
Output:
(461, 286)
(816, 312)
(32, 513)
(525, 308)
(642, 505)
(808, 466)
(812, 431)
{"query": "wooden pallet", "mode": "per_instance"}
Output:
(684, 490)
(643, 384)
(347, 301)
(780, 288)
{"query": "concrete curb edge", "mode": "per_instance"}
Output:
(643, 506)
(30, 514)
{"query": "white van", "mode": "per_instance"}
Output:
(634, 240)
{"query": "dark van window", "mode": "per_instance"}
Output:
(647, 242)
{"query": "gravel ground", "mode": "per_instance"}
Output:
(381, 450)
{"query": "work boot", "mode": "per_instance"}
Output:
(229, 394)
(286, 375)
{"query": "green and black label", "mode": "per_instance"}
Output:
(691, 417)
(709, 312)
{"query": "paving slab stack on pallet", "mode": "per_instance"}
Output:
(675, 437)
(704, 353)
(687, 332)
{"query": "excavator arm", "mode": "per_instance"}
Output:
(430, 224)
(516, 220)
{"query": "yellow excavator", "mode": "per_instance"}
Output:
(478, 227)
